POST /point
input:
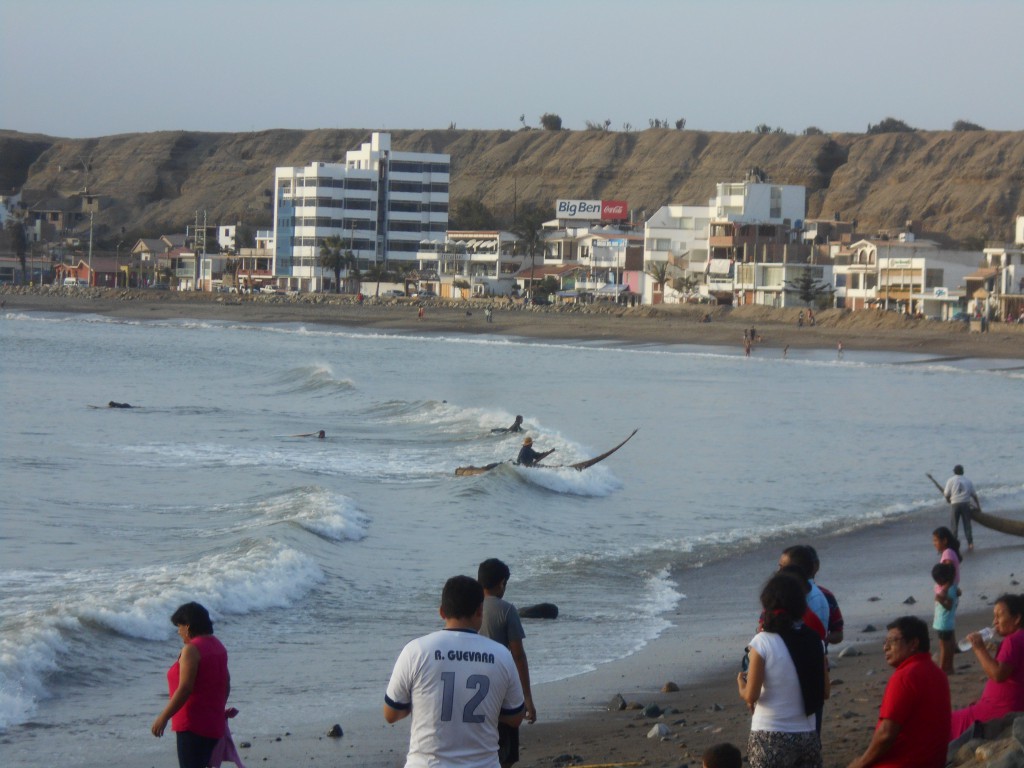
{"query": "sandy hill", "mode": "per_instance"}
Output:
(961, 186)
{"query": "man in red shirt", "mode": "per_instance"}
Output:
(915, 711)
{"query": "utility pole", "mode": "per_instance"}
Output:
(91, 281)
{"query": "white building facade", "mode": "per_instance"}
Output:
(381, 203)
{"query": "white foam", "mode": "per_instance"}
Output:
(52, 608)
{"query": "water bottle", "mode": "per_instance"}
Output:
(987, 633)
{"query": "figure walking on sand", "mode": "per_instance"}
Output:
(959, 492)
(839, 350)
(420, 314)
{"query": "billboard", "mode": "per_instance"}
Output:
(603, 210)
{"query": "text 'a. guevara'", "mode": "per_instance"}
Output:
(485, 658)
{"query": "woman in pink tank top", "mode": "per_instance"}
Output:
(198, 683)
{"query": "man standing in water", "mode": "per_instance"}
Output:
(456, 685)
(501, 623)
(959, 492)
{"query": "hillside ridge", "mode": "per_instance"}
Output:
(958, 186)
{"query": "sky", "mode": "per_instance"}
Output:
(76, 68)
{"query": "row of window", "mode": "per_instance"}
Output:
(433, 187)
(416, 226)
(324, 181)
(410, 206)
(412, 166)
(290, 222)
(351, 203)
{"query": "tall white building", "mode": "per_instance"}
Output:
(381, 203)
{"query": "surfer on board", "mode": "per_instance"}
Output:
(527, 456)
(517, 426)
(112, 404)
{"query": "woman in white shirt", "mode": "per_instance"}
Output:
(786, 682)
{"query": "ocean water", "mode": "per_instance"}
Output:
(319, 559)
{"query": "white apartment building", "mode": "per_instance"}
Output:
(750, 221)
(382, 203)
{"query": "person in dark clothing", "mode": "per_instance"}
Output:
(529, 457)
(112, 404)
(517, 426)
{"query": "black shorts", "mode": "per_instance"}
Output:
(508, 744)
(194, 750)
(944, 634)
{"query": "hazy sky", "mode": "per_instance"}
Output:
(81, 68)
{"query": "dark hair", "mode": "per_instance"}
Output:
(814, 559)
(802, 557)
(1014, 603)
(912, 628)
(943, 573)
(958, 470)
(461, 597)
(195, 617)
(491, 573)
(723, 755)
(797, 572)
(784, 601)
(942, 533)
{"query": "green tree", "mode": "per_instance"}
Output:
(658, 272)
(332, 257)
(890, 125)
(377, 273)
(813, 130)
(685, 284)
(462, 284)
(808, 288)
(18, 242)
(964, 125)
(551, 122)
(529, 227)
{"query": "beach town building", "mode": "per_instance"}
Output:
(902, 273)
(748, 235)
(381, 202)
(474, 262)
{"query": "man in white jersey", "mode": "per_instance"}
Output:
(959, 492)
(456, 685)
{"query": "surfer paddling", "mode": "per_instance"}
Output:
(528, 457)
(318, 435)
(113, 404)
(517, 426)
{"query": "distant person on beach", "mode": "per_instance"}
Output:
(112, 404)
(723, 755)
(528, 457)
(1004, 691)
(489, 315)
(786, 682)
(800, 319)
(915, 706)
(959, 492)
(785, 352)
(946, 599)
(457, 685)
(420, 313)
(501, 623)
(517, 426)
(839, 350)
(199, 685)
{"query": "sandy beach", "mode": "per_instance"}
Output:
(669, 324)
(877, 572)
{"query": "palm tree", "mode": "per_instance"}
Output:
(377, 272)
(658, 272)
(231, 266)
(18, 243)
(333, 257)
(529, 227)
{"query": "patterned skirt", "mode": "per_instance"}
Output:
(778, 749)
